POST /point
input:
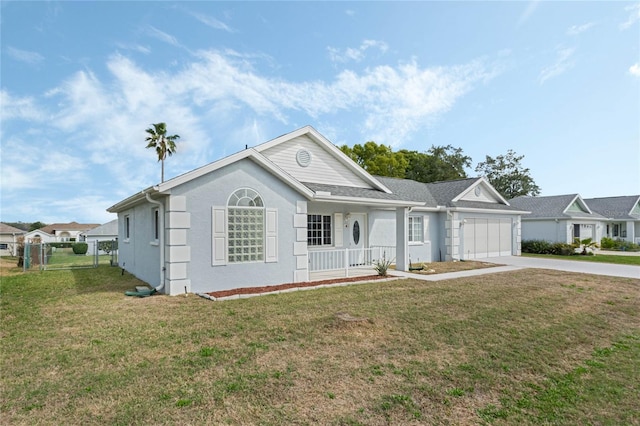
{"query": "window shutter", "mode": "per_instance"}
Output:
(271, 235)
(338, 228)
(219, 236)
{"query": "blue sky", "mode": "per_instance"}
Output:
(557, 82)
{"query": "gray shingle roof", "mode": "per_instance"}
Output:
(550, 207)
(350, 191)
(615, 207)
(431, 194)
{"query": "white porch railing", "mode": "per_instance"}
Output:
(348, 259)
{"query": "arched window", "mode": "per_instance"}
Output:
(245, 226)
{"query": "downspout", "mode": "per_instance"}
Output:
(161, 238)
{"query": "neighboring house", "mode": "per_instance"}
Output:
(622, 216)
(105, 232)
(61, 232)
(292, 208)
(559, 218)
(9, 239)
(39, 236)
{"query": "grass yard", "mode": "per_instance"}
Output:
(524, 347)
(603, 258)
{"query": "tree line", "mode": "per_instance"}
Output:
(442, 163)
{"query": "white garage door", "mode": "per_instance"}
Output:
(486, 238)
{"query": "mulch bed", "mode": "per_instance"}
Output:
(272, 288)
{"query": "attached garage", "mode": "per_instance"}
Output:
(486, 237)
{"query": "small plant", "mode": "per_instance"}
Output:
(587, 245)
(381, 266)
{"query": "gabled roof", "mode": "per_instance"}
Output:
(109, 228)
(625, 207)
(8, 229)
(71, 226)
(554, 207)
(382, 191)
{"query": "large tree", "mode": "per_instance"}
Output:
(377, 159)
(163, 143)
(508, 176)
(437, 164)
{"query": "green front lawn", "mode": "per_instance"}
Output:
(604, 258)
(526, 347)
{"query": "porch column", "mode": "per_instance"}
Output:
(630, 231)
(402, 237)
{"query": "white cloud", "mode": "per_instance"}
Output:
(135, 47)
(563, 64)
(574, 30)
(29, 57)
(634, 16)
(212, 22)
(94, 127)
(19, 108)
(356, 54)
(152, 31)
(635, 69)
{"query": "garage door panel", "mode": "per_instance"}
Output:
(493, 238)
(486, 238)
(505, 237)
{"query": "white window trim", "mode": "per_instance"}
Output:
(155, 227)
(421, 229)
(332, 233)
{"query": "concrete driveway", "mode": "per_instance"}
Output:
(626, 271)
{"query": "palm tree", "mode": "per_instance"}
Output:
(164, 145)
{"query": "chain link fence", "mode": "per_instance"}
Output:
(67, 255)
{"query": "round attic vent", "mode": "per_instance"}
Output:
(303, 157)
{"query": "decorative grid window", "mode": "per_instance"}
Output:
(318, 230)
(4, 246)
(245, 227)
(415, 229)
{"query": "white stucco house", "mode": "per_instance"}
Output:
(60, 232)
(9, 239)
(297, 209)
(622, 216)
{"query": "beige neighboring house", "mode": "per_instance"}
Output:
(61, 232)
(8, 239)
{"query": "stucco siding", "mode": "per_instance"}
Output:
(548, 230)
(139, 254)
(214, 189)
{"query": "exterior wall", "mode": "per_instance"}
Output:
(214, 189)
(560, 231)
(140, 253)
(548, 230)
(383, 233)
(11, 241)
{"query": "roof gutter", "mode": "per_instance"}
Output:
(160, 237)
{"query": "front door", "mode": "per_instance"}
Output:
(357, 238)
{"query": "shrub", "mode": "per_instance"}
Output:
(607, 243)
(80, 248)
(536, 246)
(562, 249)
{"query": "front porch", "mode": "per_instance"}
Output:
(346, 263)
